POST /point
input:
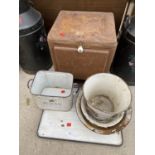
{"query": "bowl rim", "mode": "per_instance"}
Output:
(111, 114)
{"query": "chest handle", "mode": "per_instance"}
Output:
(80, 49)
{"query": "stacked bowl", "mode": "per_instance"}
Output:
(104, 104)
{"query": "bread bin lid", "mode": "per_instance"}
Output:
(84, 27)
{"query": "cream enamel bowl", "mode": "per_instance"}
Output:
(107, 96)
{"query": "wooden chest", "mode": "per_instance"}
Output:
(83, 43)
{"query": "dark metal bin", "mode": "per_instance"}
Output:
(33, 47)
(124, 61)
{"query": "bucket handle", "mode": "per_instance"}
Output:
(29, 83)
(75, 88)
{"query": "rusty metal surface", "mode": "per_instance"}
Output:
(80, 65)
(93, 31)
(86, 28)
(118, 127)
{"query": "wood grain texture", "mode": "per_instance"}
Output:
(51, 8)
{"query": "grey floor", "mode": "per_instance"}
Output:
(31, 144)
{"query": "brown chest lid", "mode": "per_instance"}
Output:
(88, 28)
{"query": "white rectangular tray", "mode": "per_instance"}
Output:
(67, 126)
